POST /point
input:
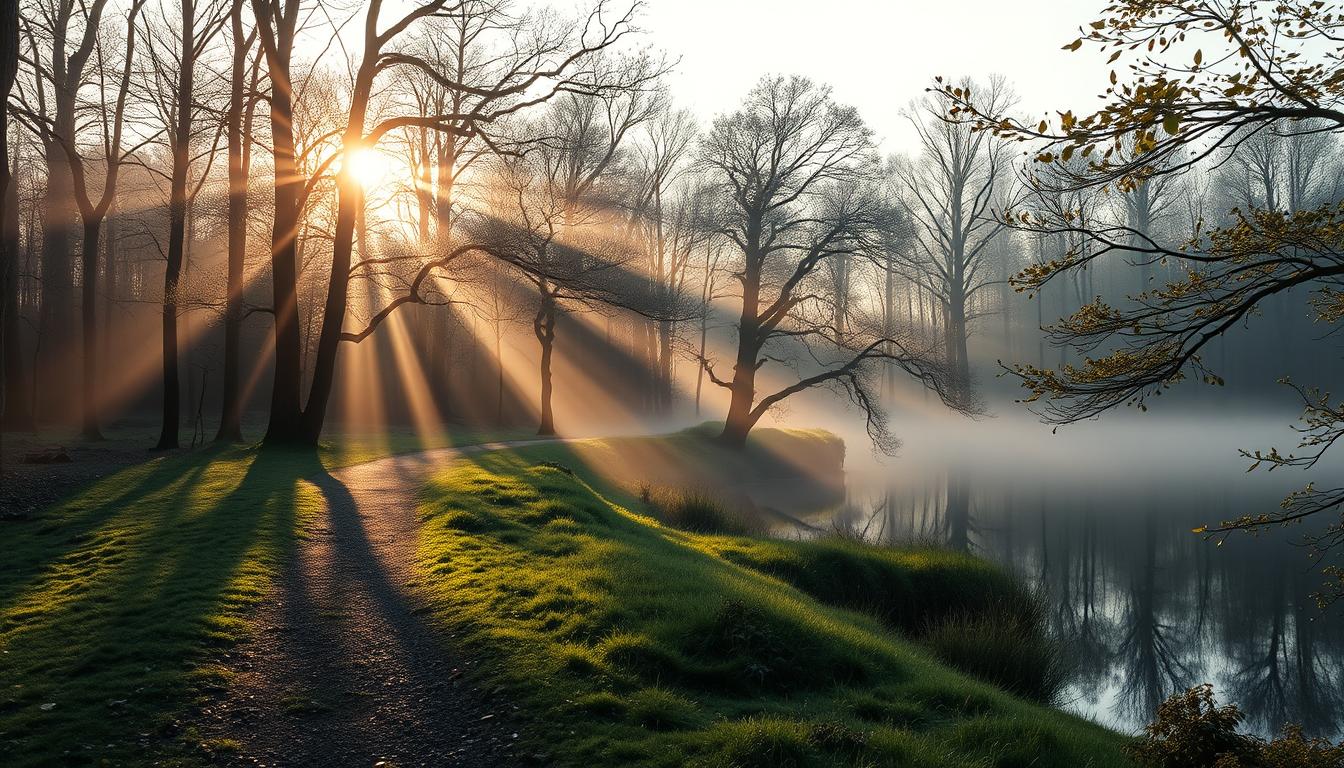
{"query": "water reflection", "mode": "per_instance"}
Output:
(1144, 607)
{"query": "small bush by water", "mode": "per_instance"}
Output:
(1192, 731)
(1005, 645)
(971, 615)
(698, 511)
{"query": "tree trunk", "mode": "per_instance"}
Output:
(285, 423)
(499, 376)
(18, 413)
(664, 366)
(739, 420)
(54, 315)
(350, 204)
(111, 284)
(231, 410)
(177, 233)
(89, 320)
(957, 348)
(544, 327)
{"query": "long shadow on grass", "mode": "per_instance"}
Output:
(152, 572)
(348, 672)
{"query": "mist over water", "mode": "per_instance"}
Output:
(1098, 516)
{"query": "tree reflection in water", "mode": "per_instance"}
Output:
(1142, 607)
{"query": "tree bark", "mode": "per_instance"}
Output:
(285, 423)
(231, 409)
(55, 360)
(177, 233)
(349, 205)
(89, 319)
(17, 411)
(111, 283)
(739, 420)
(544, 327)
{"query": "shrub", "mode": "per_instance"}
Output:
(1293, 748)
(908, 589)
(698, 511)
(1191, 731)
(1004, 645)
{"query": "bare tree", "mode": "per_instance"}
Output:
(238, 133)
(176, 46)
(93, 210)
(797, 168)
(950, 192)
(670, 217)
(70, 32)
(547, 60)
(16, 413)
(534, 228)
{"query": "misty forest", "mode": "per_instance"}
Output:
(607, 383)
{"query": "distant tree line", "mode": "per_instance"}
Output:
(264, 187)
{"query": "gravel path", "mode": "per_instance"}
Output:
(343, 669)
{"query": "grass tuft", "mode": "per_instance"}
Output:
(660, 709)
(1007, 647)
(698, 511)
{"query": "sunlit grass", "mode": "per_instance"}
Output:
(631, 643)
(116, 603)
(113, 603)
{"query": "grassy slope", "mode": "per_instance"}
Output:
(115, 604)
(634, 644)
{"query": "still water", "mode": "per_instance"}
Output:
(1099, 516)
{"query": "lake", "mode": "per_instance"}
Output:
(1099, 517)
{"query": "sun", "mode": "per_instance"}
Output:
(371, 169)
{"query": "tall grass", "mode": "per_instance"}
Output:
(1006, 645)
(970, 614)
(699, 511)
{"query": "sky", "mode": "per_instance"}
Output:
(878, 56)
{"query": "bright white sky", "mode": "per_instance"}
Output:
(878, 55)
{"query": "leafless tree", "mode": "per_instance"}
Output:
(950, 192)
(547, 58)
(62, 36)
(669, 218)
(798, 170)
(176, 43)
(16, 413)
(534, 228)
(238, 134)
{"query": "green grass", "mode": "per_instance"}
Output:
(113, 604)
(630, 643)
(116, 604)
(699, 511)
(626, 641)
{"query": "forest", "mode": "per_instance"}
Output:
(448, 382)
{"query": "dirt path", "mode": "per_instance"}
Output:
(343, 669)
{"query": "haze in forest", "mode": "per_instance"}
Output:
(941, 379)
